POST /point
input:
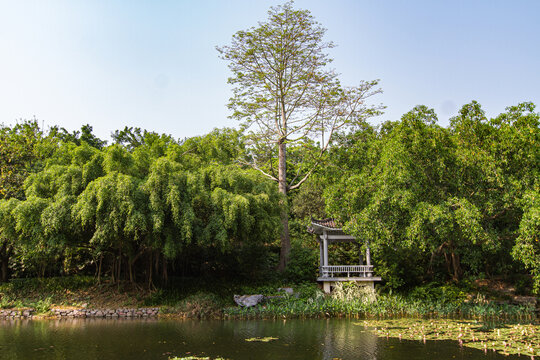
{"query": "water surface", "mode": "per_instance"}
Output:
(105, 339)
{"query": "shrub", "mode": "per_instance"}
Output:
(352, 291)
(201, 305)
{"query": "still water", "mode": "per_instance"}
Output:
(160, 339)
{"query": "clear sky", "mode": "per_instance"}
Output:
(153, 64)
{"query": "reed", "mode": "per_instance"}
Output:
(350, 302)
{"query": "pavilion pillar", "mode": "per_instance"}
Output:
(368, 259)
(368, 254)
(324, 253)
(360, 256)
(325, 249)
(321, 257)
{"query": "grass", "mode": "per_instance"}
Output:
(74, 291)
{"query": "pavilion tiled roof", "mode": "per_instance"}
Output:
(328, 222)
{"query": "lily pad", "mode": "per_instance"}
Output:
(516, 339)
(262, 339)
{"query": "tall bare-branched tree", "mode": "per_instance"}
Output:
(285, 93)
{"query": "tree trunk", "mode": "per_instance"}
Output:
(448, 261)
(99, 269)
(164, 273)
(5, 253)
(150, 264)
(5, 269)
(282, 181)
(119, 269)
(130, 269)
(456, 264)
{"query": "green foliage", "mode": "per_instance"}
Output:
(41, 294)
(440, 203)
(132, 138)
(220, 146)
(436, 204)
(22, 149)
(200, 305)
(304, 263)
(353, 301)
(82, 137)
(527, 248)
(352, 291)
(146, 204)
(308, 201)
(445, 294)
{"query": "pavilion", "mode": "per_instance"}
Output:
(329, 232)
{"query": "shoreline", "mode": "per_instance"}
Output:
(259, 312)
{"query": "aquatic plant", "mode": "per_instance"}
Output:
(517, 339)
(195, 358)
(262, 339)
(386, 306)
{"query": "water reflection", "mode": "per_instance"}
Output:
(158, 339)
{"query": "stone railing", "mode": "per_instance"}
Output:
(347, 270)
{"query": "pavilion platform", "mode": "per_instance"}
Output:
(329, 232)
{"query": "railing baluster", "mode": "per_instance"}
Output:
(362, 270)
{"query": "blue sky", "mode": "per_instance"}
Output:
(153, 64)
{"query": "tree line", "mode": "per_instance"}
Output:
(435, 203)
(442, 203)
(132, 210)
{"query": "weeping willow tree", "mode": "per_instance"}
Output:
(8, 234)
(132, 211)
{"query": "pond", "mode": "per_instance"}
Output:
(160, 339)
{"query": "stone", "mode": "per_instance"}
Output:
(525, 300)
(248, 300)
(287, 290)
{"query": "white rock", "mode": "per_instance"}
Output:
(248, 300)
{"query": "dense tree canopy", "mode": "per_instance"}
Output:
(443, 202)
(131, 210)
(22, 147)
(435, 203)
